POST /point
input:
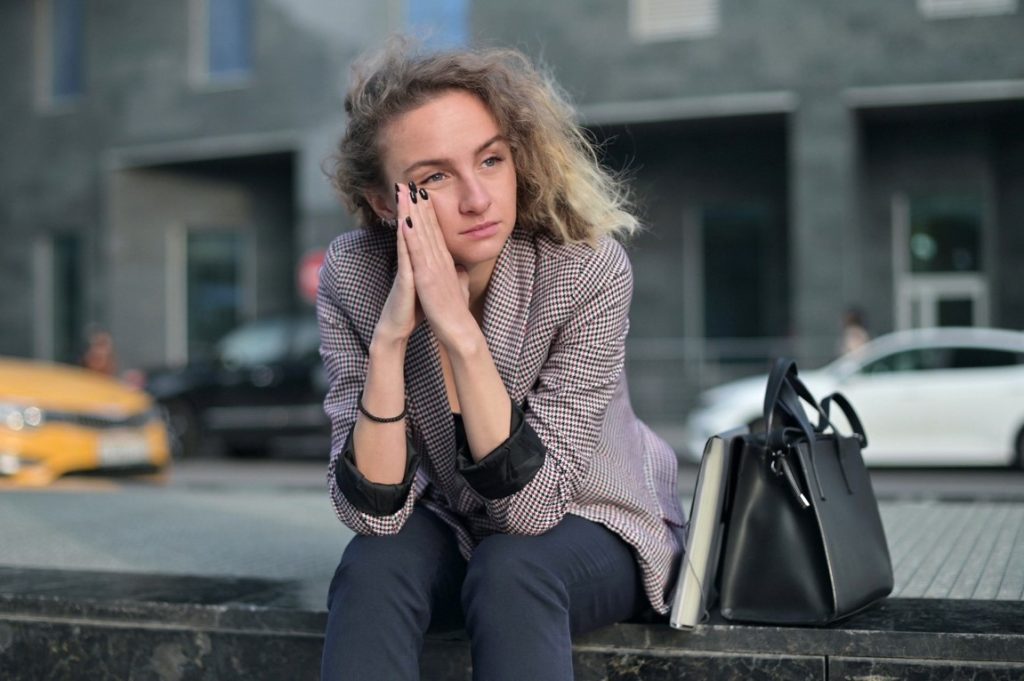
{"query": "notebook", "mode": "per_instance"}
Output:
(695, 583)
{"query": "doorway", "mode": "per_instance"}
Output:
(939, 260)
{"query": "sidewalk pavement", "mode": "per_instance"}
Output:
(940, 549)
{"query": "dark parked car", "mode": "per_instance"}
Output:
(262, 390)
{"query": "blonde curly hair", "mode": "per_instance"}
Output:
(562, 189)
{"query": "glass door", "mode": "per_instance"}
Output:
(59, 297)
(939, 261)
(214, 287)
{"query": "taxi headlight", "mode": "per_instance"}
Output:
(17, 417)
(12, 463)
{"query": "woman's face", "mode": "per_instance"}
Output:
(452, 147)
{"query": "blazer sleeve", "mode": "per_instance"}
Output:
(508, 467)
(345, 357)
(567, 404)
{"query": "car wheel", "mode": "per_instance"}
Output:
(182, 428)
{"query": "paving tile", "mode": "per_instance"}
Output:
(967, 582)
(904, 522)
(1012, 586)
(926, 553)
(960, 552)
(956, 550)
(998, 562)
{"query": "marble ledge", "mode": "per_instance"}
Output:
(923, 629)
(942, 629)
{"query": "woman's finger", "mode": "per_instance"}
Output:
(408, 224)
(404, 262)
(404, 267)
(422, 210)
(401, 207)
(401, 311)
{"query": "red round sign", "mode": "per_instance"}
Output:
(309, 274)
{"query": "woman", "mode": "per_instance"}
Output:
(484, 447)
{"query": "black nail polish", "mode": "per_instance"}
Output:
(412, 186)
(412, 195)
(408, 222)
(423, 194)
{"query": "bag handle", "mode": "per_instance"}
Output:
(848, 412)
(783, 393)
(780, 370)
(790, 405)
(784, 372)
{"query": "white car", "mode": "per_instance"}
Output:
(926, 397)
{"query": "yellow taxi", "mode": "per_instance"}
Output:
(57, 419)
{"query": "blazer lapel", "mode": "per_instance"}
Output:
(507, 308)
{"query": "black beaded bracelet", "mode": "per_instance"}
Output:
(377, 419)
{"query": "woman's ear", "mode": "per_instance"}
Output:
(380, 205)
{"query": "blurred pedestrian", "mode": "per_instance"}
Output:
(99, 351)
(484, 447)
(854, 332)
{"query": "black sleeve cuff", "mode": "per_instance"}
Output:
(510, 467)
(371, 497)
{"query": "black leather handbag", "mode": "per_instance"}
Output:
(804, 542)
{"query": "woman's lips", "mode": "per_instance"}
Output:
(482, 231)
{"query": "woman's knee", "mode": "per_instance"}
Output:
(405, 568)
(504, 574)
(368, 568)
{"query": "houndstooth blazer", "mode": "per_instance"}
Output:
(555, 320)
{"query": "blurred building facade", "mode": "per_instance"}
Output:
(162, 167)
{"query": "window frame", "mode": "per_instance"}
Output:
(46, 98)
(643, 15)
(965, 9)
(200, 76)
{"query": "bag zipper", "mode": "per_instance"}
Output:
(780, 466)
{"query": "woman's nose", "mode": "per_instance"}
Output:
(475, 198)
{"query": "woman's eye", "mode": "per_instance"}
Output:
(436, 177)
(492, 161)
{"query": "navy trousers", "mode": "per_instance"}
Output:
(519, 598)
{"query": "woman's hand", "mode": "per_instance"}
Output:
(402, 312)
(442, 287)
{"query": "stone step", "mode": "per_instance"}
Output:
(70, 625)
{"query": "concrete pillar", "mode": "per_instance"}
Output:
(824, 244)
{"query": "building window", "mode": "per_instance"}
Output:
(440, 24)
(228, 37)
(939, 261)
(653, 20)
(68, 303)
(221, 40)
(214, 287)
(736, 238)
(945, 234)
(59, 298)
(60, 30)
(952, 9)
